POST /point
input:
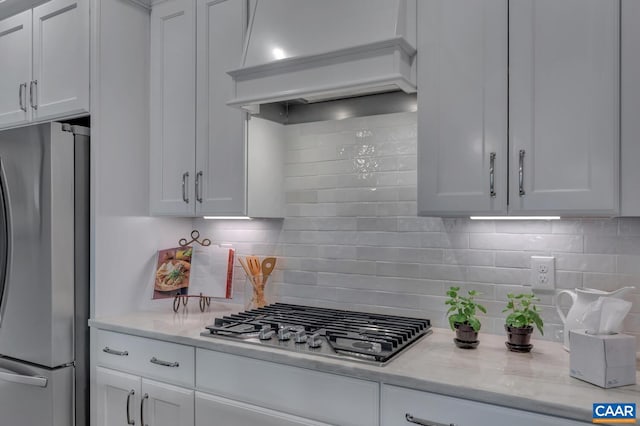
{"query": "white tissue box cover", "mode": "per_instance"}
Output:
(606, 360)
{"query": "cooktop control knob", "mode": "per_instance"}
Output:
(300, 336)
(284, 334)
(314, 341)
(266, 333)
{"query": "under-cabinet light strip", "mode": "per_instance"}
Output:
(514, 217)
(227, 217)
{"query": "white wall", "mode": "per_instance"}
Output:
(350, 238)
(124, 238)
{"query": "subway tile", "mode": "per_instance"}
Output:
(549, 242)
(420, 224)
(586, 262)
(445, 240)
(469, 257)
(601, 227)
(523, 227)
(515, 259)
(300, 277)
(293, 197)
(337, 252)
(629, 226)
(628, 265)
(628, 245)
(377, 223)
(468, 225)
(569, 280)
(395, 269)
(565, 226)
(498, 275)
(444, 272)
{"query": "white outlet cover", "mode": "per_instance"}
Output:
(543, 273)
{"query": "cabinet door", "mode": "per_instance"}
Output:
(215, 411)
(118, 397)
(15, 69)
(221, 160)
(60, 59)
(427, 408)
(630, 108)
(166, 405)
(564, 106)
(172, 109)
(462, 107)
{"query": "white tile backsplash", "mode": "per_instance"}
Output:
(351, 238)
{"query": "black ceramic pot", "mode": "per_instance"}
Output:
(519, 338)
(465, 333)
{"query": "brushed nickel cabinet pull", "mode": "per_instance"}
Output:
(521, 173)
(185, 182)
(110, 351)
(418, 421)
(22, 95)
(492, 186)
(157, 361)
(129, 421)
(199, 187)
(33, 88)
(145, 397)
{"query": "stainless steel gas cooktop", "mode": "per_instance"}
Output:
(372, 338)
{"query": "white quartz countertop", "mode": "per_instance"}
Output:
(538, 381)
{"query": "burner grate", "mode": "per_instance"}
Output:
(363, 336)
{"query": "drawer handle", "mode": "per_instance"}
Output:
(129, 421)
(157, 361)
(110, 351)
(421, 422)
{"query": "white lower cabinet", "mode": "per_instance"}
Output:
(141, 381)
(309, 394)
(216, 411)
(118, 397)
(126, 399)
(401, 406)
(166, 405)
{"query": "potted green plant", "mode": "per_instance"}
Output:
(519, 323)
(462, 317)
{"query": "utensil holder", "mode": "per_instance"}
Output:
(256, 294)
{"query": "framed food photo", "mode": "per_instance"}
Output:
(173, 271)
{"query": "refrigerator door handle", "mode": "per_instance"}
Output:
(12, 377)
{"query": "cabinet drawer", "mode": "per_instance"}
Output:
(164, 361)
(397, 402)
(216, 411)
(306, 393)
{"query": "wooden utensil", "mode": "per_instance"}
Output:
(254, 265)
(244, 266)
(268, 263)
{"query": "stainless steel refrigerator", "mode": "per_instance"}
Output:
(44, 275)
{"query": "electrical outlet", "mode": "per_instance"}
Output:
(543, 273)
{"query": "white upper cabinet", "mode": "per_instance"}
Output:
(561, 126)
(60, 59)
(220, 147)
(462, 104)
(172, 108)
(630, 108)
(564, 106)
(15, 69)
(44, 72)
(198, 143)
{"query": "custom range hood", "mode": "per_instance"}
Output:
(301, 52)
